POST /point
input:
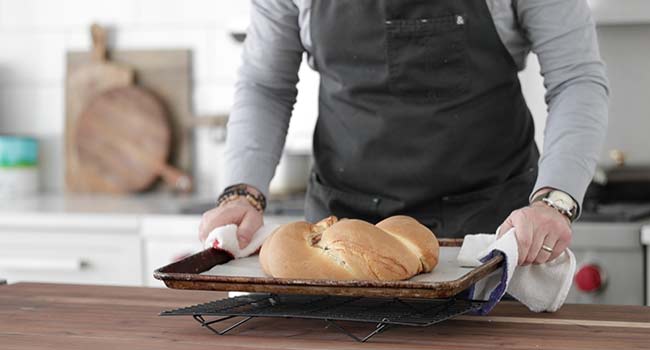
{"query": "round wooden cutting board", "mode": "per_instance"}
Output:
(83, 84)
(123, 140)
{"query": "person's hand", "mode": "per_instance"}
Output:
(537, 225)
(239, 212)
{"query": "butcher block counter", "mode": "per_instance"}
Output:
(57, 316)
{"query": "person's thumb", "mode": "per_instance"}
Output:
(251, 222)
(505, 227)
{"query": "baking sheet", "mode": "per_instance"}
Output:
(198, 272)
(447, 269)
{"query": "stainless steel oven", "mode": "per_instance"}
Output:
(610, 257)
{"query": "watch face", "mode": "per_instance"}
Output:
(561, 200)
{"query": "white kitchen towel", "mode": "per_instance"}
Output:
(225, 238)
(542, 287)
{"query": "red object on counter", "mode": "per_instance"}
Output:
(589, 278)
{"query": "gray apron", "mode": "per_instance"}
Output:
(420, 113)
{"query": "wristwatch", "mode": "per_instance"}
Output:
(560, 201)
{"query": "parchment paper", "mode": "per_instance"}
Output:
(447, 269)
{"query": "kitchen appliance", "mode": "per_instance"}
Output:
(645, 240)
(610, 263)
(606, 241)
(620, 182)
(18, 166)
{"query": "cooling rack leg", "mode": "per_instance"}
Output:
(208, 324)
(378, 329)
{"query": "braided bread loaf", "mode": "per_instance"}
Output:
(397, 248)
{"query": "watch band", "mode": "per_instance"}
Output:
(241, 190)
(569, 211)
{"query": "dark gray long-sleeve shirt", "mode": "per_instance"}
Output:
(561, 33)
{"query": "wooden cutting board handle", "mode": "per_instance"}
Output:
(92, 76)
(98, 34)
(176, 178)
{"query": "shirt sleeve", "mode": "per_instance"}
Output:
(265, 93)
(563, 35)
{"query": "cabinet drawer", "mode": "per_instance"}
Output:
(83, 257)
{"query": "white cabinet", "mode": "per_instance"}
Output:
(114, 249)
(44, 248)
(167, 238)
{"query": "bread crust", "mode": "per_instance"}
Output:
(397, 248)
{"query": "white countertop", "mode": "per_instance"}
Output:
(112, 213)
(81, 211)
(101, 204)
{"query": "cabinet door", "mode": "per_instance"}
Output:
(81, 257)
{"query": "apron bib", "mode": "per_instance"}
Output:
(420, 113)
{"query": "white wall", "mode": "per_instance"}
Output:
(35, 34)
(626, 51)
(532, 85)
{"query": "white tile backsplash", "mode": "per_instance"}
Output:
(305, 112)
(31, 57)
(195, 12)
(82, 13)
(32, 109)
(212, 98)
(199, 41)
(30, 14)
(226, 55)
(532, 85)
(35, 35)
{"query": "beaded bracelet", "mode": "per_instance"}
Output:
(241, 190)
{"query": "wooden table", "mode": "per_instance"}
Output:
(54, 316)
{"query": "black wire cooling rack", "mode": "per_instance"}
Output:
(383, 312)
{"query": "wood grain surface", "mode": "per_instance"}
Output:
(49, 316)
(83, 83)
(165, 73)
(122, 141)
